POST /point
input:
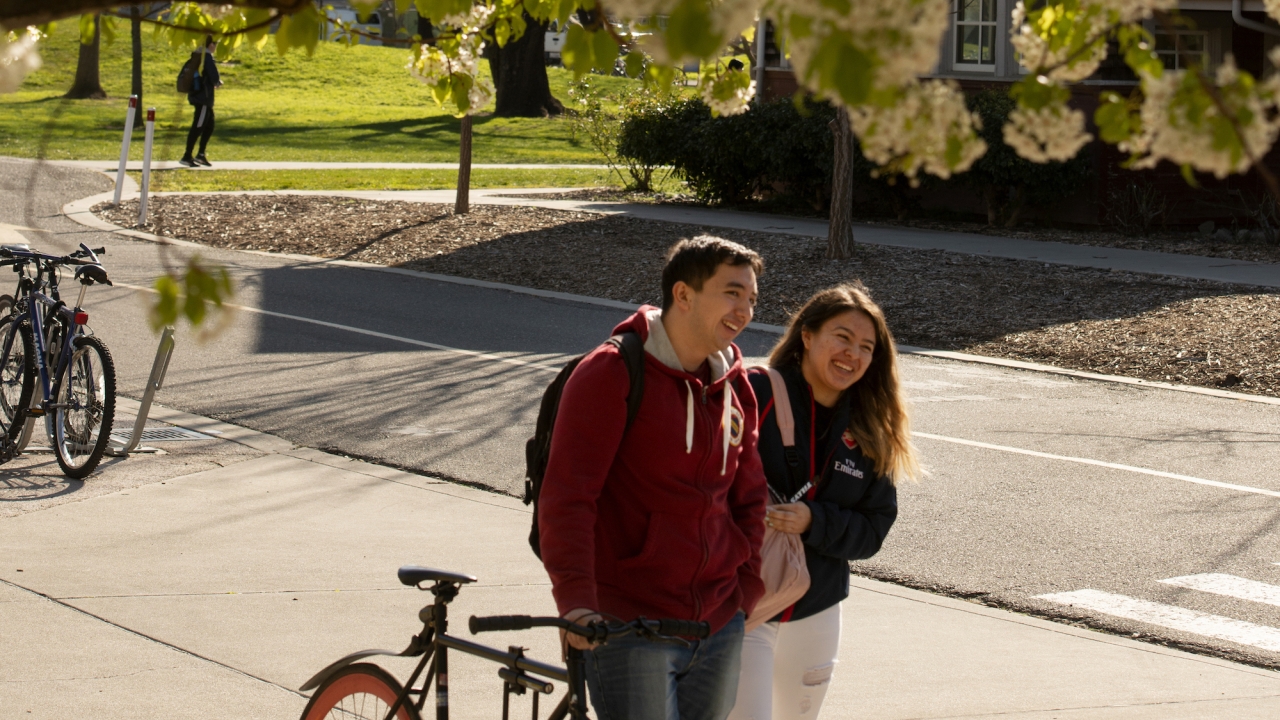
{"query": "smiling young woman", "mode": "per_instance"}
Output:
(835, 487)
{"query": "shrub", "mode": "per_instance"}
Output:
(1135, 206)
(1008, 182)
(601, 126)
(775, 148)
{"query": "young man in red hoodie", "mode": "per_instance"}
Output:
(663, 519)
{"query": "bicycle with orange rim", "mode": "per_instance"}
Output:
(354, 690)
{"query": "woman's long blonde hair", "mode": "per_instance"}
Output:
(879, 419)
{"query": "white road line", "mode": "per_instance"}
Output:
(373, 333)
(1100, 463)
(1175, 618)
(1229, 585)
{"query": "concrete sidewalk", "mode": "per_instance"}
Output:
(111, 166)
(220, 592)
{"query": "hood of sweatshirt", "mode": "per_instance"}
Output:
(725, 366)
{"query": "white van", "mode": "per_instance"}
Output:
(553, 42)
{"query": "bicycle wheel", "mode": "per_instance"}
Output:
(86, 407)
(17, 376)
(358, 692)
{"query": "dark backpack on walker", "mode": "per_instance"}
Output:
(189, 75)
(538, 450)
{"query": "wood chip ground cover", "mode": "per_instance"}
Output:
(1145, 326)
(1183, 241)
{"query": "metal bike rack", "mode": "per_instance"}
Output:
(158, 369)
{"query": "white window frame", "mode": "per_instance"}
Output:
(957, 24)
(1206, 45)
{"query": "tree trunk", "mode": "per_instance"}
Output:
(840, 233)
(135, 84)
(87, 85)
(520, 75)
(462, 205)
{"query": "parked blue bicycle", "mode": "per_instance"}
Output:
(42, 338)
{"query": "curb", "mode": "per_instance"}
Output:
(80, 211)
(223, 431)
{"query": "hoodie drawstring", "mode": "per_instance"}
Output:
(688, 420)
(726, 424)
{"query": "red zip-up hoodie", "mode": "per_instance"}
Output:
(665, 520)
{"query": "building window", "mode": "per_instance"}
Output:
(975, 35)
(1181, 49)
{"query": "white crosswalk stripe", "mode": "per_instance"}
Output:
(1169, 616)
(1229, 585)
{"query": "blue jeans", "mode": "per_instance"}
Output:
(636, 679)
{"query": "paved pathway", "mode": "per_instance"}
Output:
(217, 591)
(113, 165)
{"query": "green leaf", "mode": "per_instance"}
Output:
(635, 64)
(605, 51)
(954, 149)
(87, 26)
(1189, 175)
(840, 65)
(689, 31)
(1116, 122)
(193, 294)
(108, 24)
(165, 310)
(577, 54)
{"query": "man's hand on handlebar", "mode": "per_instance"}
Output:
(580, 616)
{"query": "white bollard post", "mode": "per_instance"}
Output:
(124, 147)
(146, 165)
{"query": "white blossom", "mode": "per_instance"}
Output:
(1273, 8)
(727, 20)
(18, 57)
(1177, 128)
(901, 37)
(916, 132)
(437, 68)
(726, 94)
(1054, 132)
(1067, 63)
(217, 12)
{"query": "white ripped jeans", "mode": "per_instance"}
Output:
(787, 668)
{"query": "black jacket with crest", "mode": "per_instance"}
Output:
(853, 507)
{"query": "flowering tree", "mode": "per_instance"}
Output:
(866, 56)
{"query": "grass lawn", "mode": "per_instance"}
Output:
(218, 180)
(342, 104)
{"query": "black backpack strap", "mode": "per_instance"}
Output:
(631, 347)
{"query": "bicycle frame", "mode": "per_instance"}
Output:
(50, 387)
(29, 301)
(519, 674)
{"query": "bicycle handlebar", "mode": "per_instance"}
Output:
(75, 258)
(596, 631)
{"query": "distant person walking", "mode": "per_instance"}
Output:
(201, 98)
(832, 477)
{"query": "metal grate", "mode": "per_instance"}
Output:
(159, 434)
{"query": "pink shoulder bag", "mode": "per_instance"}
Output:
(782, 564)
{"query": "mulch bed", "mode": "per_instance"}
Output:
(1184, 242)
(1146, 326)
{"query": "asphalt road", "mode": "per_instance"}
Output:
(1039, 484)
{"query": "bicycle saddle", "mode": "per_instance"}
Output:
(414, 575)
(90, 274)
(17, 246)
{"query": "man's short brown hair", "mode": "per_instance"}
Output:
(694, 261)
